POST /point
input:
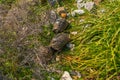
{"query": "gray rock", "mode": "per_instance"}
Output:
(89, 5)
(71, 46)
(52, 16)
(80, 4)
(59, 41)
(66, 76)
(75, 73)
(80, 12)
(79, 0)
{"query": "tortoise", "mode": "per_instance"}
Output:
(59, 41)
(60, 25)
(45, 54)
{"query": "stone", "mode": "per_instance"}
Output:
(102, 10)
(59, 41)
(57, 58)
(71, 46)
(89, 5)
(80, 12)
(79, 0)
(75, 75)
(80, 4)
(74, 32)
(82, 20)
(66, 76)
(52, 16)
(60, 25)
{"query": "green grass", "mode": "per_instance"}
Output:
(96, 54)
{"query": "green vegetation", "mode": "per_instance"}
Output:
(97, 47)
(96, 54)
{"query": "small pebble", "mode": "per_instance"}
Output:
(74, 32)
(102, 10)
(71, 46)
(89, 5)
(88, 25)
(52, 78)
(75, 74)
(66, 76)
(82, 20)
(57, 58)
(53, 16)
(79, 1)
(80, 5)
(80, 12)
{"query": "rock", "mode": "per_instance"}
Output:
(80, 4)
(79, 0)
(53, 16)
(66, 76)
(89, 6)
(59, 41)
(88, 25)
(74, 32)
(82, 20)
(60, 25)
(102, 10)
(75, 75)
(80, 12)
(71, 46)
(57, 58)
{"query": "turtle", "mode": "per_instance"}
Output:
(60, 25)
(59, 41)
